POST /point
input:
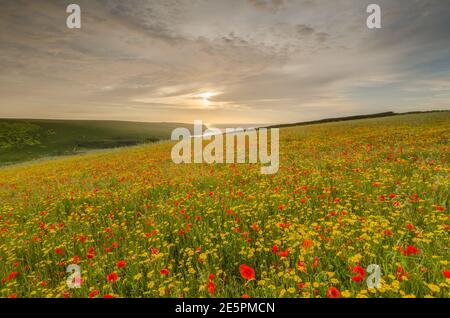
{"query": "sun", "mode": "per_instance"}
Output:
(206, 96)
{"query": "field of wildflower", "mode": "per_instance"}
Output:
(347, 195)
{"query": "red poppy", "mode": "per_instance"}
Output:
(211, 287)
(357, 278)
(246, 296)
(121, 263)
(212, 276)
(164, 271)
(410, 227)
(154, 250)
(446, 273)
(409, 250)
(112, 277)
(358, 269)
(59, 251)
(284, 253)
(275, 249)
(12, 275)
(247, 272)
(333, 292)
(108, 296)
(94, 293)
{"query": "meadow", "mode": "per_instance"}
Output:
(347, 195)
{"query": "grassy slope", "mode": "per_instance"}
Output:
(333, 191)
(27, 139)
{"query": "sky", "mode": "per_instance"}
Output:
(222, 61)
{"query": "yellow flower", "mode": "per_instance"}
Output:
(346, 294)
(434, 288)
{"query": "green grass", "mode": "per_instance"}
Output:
(27, 139)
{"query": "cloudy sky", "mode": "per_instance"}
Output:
(222, 61)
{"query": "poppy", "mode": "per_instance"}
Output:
(112, 277)
(358, 269)
(357, 278)
(284, 253)
(164, 271)
(333, 292)
(446, 273)
(12, 275)
(94, 293)
(211, 288)
(121, 264)
(247, 272)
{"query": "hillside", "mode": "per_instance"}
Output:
(347, 195)
(27, 139)
(356, 117)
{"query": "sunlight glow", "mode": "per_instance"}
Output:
(206, 96)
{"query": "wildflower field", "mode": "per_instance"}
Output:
(347, 195)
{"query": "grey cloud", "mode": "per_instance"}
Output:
(270, 60)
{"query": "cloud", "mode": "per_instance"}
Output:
(273, 60)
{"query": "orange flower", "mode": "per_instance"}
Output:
(247, 272)
(308, 243)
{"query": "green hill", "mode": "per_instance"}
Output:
(27, 139)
